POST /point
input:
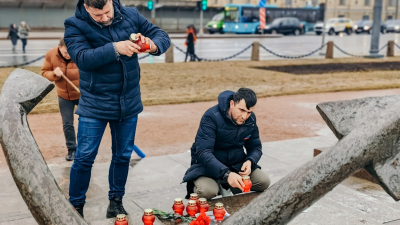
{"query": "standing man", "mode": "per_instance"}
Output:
(218, 155)
(97, 38)
(57, 63)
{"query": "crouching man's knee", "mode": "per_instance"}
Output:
(205, 187)
(260, 180)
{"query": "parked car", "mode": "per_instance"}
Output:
(365, 26)
(284, 25)
(335, 26)
(216, 24)
(393, 26)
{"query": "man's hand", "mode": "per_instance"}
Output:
(235, 180)
(246, 168)
(147, 41)
(58, 72)
(127, 48)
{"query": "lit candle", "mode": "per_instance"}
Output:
(219, 211)
(148, 217)
(121, 220)
(247, 183)
(178, 206)
(204, 206)
(192, 208)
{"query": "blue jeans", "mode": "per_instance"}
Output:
(90, 133)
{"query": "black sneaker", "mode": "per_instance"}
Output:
(115, 207)
(79, 209)
(71, 155)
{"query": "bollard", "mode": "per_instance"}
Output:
(390, 49)
(255, 51)
(169, 54)
(329, 50)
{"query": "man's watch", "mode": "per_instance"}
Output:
(226, 175)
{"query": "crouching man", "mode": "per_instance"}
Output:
(218, 156)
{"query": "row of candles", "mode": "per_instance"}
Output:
(195, 205)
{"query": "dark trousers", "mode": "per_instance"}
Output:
(90, 133)
(24, 42)
(67, 114)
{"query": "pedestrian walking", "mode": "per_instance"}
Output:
(59, 68)
(190, 41)
(13, 35)
(23, 32)
(97, 39)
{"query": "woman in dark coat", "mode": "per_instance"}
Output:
(13, 35)
(190, 41)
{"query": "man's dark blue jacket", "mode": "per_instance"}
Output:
(219, 143)
(109, 84)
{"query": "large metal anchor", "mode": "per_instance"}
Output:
(369, 134)
(22, 91)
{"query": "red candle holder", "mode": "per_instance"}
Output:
(195, 197)
(143, 46)
(219, 211)
(204, 206)
(148, 217)
(192, 208)
(247, 183)
(121, 220)
(178, 206)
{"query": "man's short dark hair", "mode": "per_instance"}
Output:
(98, 4)
(248, 95)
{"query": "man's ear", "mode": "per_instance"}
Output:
(86, 7)
(232, 103)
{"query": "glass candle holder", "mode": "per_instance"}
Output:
(138, 41)
(178, 206)
(204, 206)
(121, 220)
(219, 211)
(247, 183)
(195, 197)
(192, 208)
(148, 217)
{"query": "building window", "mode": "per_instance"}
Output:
(216, 2)
(342, 2)
(367, 2)
(391, 2)
(248, 1)
(314, 2)
(231, 1)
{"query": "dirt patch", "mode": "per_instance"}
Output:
(334, 68)
(175, 83)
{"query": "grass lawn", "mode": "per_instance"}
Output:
(193, 82)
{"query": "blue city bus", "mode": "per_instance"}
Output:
(245, 18)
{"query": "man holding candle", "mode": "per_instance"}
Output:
(97, 39)
(218, 156)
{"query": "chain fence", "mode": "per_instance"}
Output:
(139, 58)
(292, 57)
(397, 45)
(346, 53)
(221, 59)
(25, 63)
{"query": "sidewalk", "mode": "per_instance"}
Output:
(57, 35)
(155, 182)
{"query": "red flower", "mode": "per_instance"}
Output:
(202, 219)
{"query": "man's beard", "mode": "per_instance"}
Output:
(109, 22)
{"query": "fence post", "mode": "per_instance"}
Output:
(169, 54)
(255, 51)
(390, 49)
(329, 50)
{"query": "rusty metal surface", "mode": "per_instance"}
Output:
(22, 91)
(368, 130)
